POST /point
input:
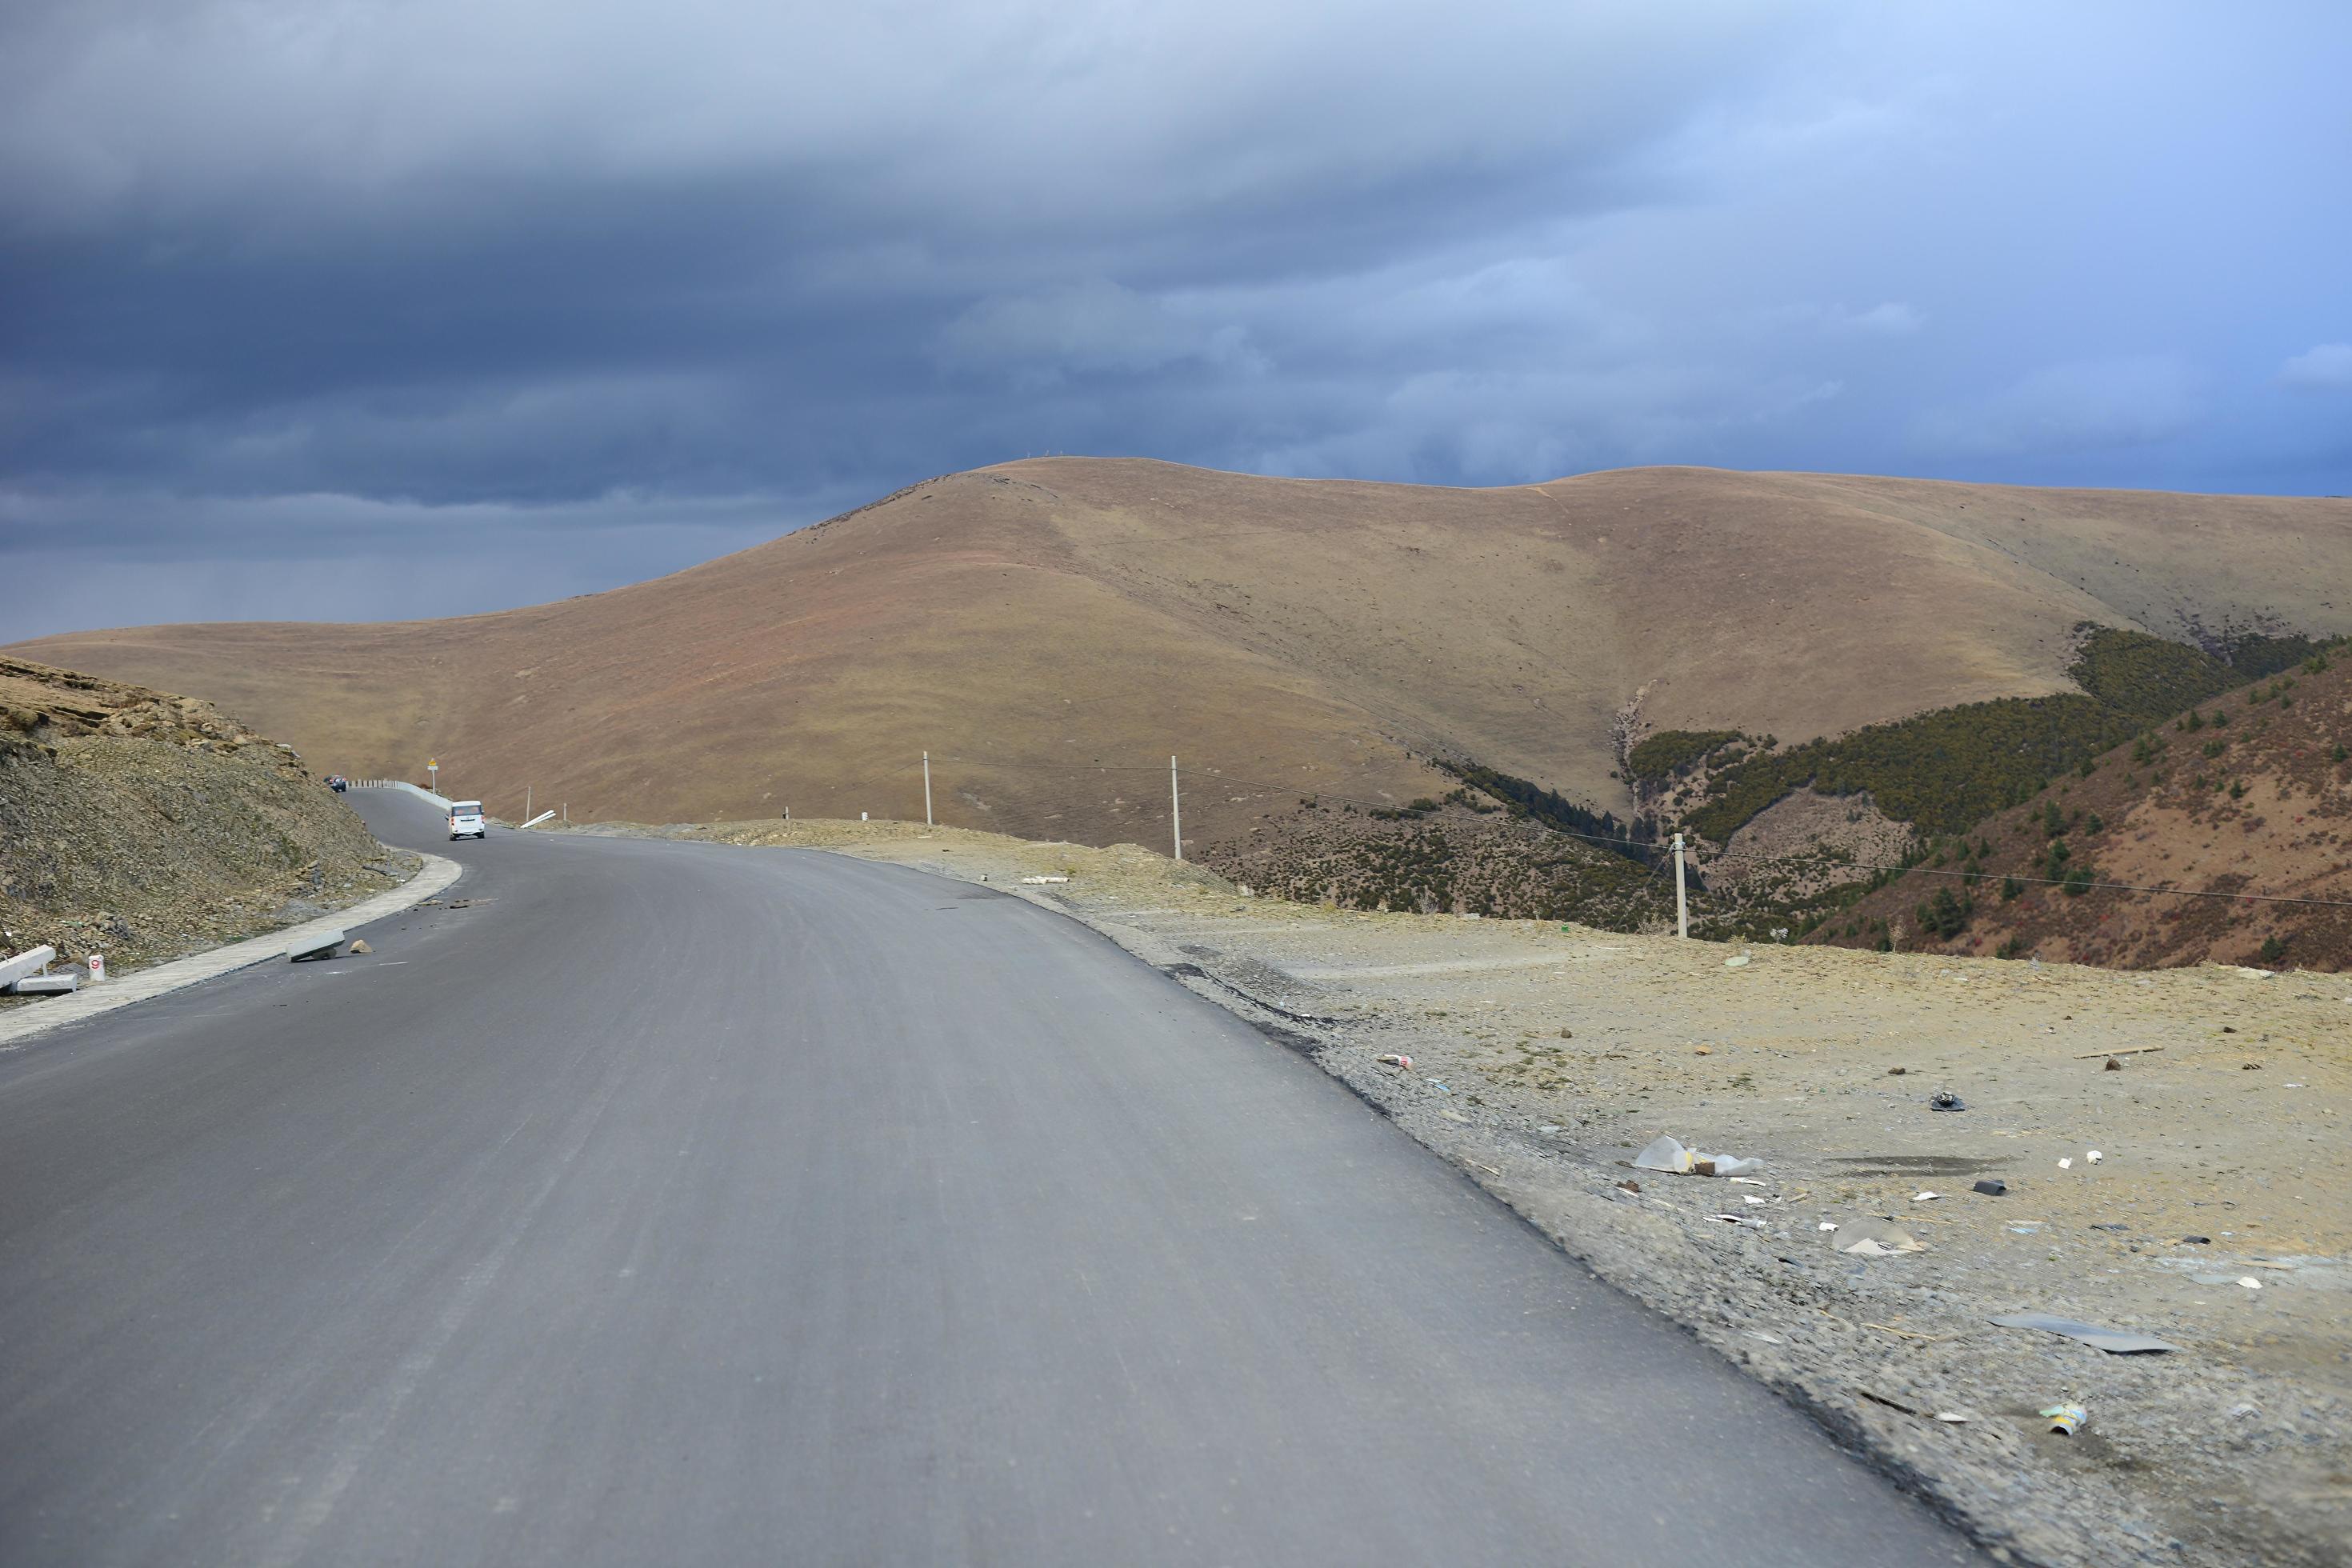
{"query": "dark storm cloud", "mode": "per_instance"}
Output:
(291, 294)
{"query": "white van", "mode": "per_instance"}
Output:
(466, 820)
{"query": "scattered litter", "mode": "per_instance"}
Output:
(1748, 1181)
(1549, 1127)
(1768, 1339)
(1896, 1072)
(1669, 1154)
(2250, 1282)
(2066, 1419)
(1740, 1219)
(2131, 1051)
(1488, 1169)
(1956, 1417)
(2115, 1342)
(1991, 1187)
(1877, 1238)
(2197, 1241)
(2111, 1228)
(1751, 1198)
(1041, 881)
(1946, 1100)
(2067, 1163)
(1740, 962)
(1629, 1186)
(2031, 1227)
(2250, 1067)
(2243, 1410)
(1406, 1063)
(1925, 1197)
(2290, 1086)
(1439, 1084)
(1828, 1224)
(1890, 1403)
(2094, 1156)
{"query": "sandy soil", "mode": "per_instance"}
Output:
(1545, 1056)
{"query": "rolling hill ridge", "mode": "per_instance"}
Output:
(1052, 630)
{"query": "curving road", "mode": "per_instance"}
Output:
(675, 1204)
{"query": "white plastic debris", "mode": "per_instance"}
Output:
(1669, 1154)
(2067, 1164)
(2094, 1156)
(1925, 1197)
(1740, 962)
(1828, 1224)
(1877, 1238)
(2250, 1282)
(1957, 1417)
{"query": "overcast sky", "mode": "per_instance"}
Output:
(366, 309)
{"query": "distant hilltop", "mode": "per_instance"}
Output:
(1052, 631)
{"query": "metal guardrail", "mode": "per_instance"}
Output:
(441, 801)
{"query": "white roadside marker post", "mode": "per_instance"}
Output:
(1682, 904)
(1175, 808)
(927, 790)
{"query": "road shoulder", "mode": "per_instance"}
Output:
(20, 1025)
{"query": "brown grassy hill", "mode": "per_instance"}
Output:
(2250, 794)
(142, 825)
(1032, 624)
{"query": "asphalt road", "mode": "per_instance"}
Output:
(674, 1204)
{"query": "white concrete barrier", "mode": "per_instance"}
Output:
(27, 962)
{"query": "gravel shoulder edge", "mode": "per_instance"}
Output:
(436, 874)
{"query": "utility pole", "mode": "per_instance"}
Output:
(1682, 904)
(1176, 808)
(927, 790)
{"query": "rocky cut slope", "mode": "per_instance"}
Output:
(142, 826)
(2241, 804)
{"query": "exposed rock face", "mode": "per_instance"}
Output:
(143, 825)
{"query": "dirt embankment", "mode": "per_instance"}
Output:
(144, 825)
(1544, 1057)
